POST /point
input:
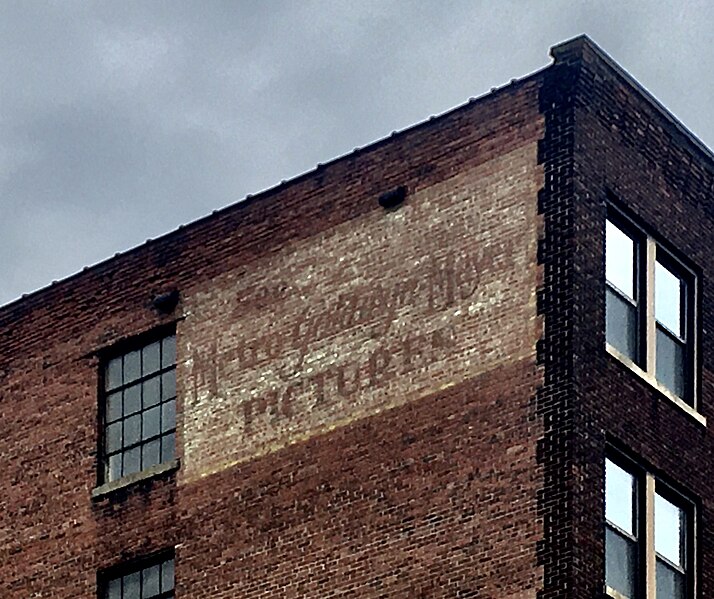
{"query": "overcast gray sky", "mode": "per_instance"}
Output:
(121, 120)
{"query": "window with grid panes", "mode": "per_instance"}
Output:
(151, 581)
(139, 415)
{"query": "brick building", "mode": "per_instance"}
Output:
(412, 372)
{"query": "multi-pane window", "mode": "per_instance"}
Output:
(139, 408)
(648, 537)
(152, 581)
(649, 301)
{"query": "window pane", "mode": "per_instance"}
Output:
(132, 366)
(151, 392)
(114, 467)
(167, 447)
(168, 416)
(113, 437)
(114, 589)
(132, 430)
(668, 299)
(132, 461)
(670, 362)
(114, 409)
(620, 563)
(150, 454)
(669, 530)
(168, 385)
(621, 324)
(620, 260)
(168, 352)
(619, 497)
(167, 576)
(150, 578)
(132, 399)
(151, 420)
(113, 374)
(671, 584)
(132, 586)
(151, 357)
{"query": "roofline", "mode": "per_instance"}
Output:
(575, 46)
(563, 52)
(266, 193)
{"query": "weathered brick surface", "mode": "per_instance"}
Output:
(357, 411)
(375, 312)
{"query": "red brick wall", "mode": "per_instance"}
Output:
(355, 386)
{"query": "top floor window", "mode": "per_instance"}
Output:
(139, 408)
(650, 308)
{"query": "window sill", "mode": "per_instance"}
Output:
(610, 592)
(652, 382)
(127, 481)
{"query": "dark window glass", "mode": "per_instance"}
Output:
(150, 423)
(155, 581)
(132, 366)
(151, 357)
(621, 324)
(113, 590)
(132, 399)
(151, 581)
(670, 362)
(140, 408)
(620, 563)
(113, 373)
(671, 583)
(132, 460)
(167, 447)
(168, 416)
(671, 343)
(151, 452)
(114, 406)
(150, 391)
(168, 352)
(131, 586)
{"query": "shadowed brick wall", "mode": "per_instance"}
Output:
(629, 153)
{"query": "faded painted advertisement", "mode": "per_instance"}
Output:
(368, 315)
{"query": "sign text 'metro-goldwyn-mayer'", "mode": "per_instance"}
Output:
(342, 347)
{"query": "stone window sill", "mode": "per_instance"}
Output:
(652, 382)
(127, 481)
(610, 592)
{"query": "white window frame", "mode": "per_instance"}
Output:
(647, 486)
(646, 251)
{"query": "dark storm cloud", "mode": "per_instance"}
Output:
(119, 121)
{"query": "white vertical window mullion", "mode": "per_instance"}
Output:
(649, 544)
(650, 323)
